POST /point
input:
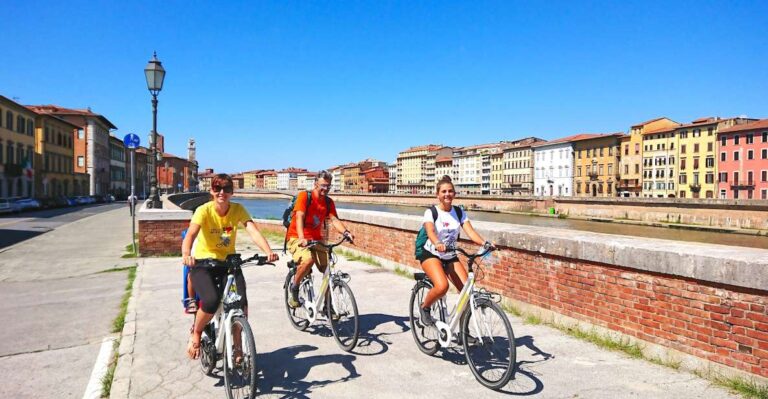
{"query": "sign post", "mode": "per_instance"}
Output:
(131, 142)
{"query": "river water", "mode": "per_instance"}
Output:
(273, 209)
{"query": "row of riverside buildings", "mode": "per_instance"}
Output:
(51, 151)
(709, 157)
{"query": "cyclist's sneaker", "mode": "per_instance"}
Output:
(335, 316)
(293, 299)
(426, 318)
(190, 306)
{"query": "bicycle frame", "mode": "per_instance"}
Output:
(225, 319)
(466, 296)
(317, 301)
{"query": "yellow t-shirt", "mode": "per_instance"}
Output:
(217, 233)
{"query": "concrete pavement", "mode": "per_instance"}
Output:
(56, 307)
(386, 362)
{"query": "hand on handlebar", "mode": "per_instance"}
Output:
(348, 235)
(271, 257)
(188, 260)
(441, 247)
(303, 242)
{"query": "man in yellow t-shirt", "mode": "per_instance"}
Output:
(214, 224)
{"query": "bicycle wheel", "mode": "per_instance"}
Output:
(426, 337)
(208, 356)
(489, 344)
(343, 315)
(298, 316)
(240, 378)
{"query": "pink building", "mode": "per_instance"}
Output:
(743, 161)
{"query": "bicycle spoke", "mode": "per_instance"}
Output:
(489, 344)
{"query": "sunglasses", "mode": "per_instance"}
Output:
(227, 189)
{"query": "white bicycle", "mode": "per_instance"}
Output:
(484, 330)
(334, 293)
(218, 340)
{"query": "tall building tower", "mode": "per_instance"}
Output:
(191, 151)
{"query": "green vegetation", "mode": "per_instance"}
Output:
(273, 235)
(117, 327)
(119, 321)
(358, 258)
(130, 251)
(746, 388)
(403, 273)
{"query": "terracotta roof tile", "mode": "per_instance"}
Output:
(760, 124)
(578, 137)
(649, 121)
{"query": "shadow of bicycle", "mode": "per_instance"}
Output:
(372, 341)
(283, 372)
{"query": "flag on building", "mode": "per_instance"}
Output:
(28, 172)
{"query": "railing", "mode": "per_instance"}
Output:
(592, 175)
(695, 187)
(743, 184)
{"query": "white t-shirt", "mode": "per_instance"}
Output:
(447, 227)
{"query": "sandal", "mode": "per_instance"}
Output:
(193, 347)
(190, 306)
(237, 357)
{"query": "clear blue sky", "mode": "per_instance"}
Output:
(314, 84)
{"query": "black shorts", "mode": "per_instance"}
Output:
(429, 255)
(205, 281)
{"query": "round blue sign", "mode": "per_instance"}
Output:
(131, 140)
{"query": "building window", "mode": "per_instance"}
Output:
(736, 139)
(1, 151)
(723, 140)
(9, 120)
(709, 178)
(695, 163)
(710, 162)
(750, 138)
(723, 177)
(764, 176)
(750, 177)
(722, 157)
(765, 137)
(764, 153)
(683, 178)
(735, 155)
(80, 161)
(30, 128)
(750, 154)
(20, 124)
(80, 134)
(682, 149)
(696, 148)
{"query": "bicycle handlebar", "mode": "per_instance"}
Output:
(485, 249)
(234, 260)
(328, 246)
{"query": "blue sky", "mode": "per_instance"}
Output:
(315, 84)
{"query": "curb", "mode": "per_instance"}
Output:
(121, 383)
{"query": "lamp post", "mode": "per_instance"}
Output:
(155, 74)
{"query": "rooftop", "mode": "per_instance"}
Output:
(759, 124)
(59, 110)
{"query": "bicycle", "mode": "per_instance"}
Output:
(490, 354)
(343, 316)
(239, 377)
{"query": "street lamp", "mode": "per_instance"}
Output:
(155, 75)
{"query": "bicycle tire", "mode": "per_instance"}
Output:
(492, 360)
(346, 329)
(208, 355)
(243, 376)
(425, 336)
(297, 316)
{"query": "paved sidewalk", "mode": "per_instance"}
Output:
(386, 362)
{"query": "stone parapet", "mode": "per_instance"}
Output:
(702, 301)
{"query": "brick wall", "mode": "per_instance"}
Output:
(722, 323)
(160, 237)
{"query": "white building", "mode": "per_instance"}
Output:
(305, 180)
(287, 178)
(553, 168)
(338, 179)
(472, 168)
(392, 177)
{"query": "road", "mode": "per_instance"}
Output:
(23, 226)
(56, 302)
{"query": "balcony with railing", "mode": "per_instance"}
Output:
(695, 187)
(592, 175)
(742, 184)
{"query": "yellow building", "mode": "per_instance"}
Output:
(596, 164)
(17, 149)
(270, 181)
(497, 171)
(416, 168)
(630, 165)
(697, 166)
(54, 158)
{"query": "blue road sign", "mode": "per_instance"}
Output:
(131, 140)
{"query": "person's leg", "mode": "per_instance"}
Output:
(203, 280)
(457, 273)
(302, 257)
(241, 290)
(433, 267)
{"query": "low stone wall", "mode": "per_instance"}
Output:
(731, 214)
(160, 230)
(703, 305)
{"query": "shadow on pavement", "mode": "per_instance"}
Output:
(370, 343)
(12, 237)
(283, 372)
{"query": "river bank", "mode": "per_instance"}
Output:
(720, 216)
